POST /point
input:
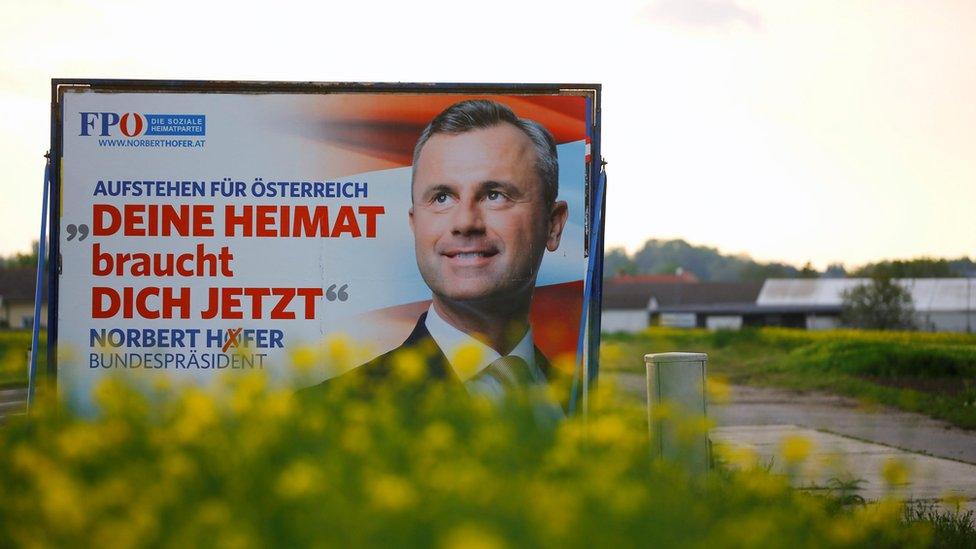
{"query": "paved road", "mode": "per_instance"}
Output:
(848, 441)
(844, 416)
(833, 456)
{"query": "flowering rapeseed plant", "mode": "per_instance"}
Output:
(405, 462)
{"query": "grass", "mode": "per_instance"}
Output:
(932, 374)
(13, 356)
(950, 529)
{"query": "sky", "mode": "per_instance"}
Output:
(822, 131)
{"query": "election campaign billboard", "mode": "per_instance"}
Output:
(201, 228)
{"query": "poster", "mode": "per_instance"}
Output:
(209, 232)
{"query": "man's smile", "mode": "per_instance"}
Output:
(470, 256)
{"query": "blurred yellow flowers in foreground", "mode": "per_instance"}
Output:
(405, 462)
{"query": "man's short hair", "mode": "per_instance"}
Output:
(475, 114)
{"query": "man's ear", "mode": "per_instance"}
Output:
(410, 217)
(557, 221)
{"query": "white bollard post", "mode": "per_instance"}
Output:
(677, 381)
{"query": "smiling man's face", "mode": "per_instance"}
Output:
(479, 216)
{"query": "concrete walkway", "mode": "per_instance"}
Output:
(12, 401)
(847, 440)
(845, 416)
(912, 476)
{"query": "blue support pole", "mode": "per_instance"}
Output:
(38, 290)
(588, 287)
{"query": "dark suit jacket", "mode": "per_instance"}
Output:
(437, 364)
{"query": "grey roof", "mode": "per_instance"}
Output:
(928, 294)
(17, 284)
(653, 296)
(751, 309)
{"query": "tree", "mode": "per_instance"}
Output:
(616, 262)
(835, 270)
(881, 304)
(923, 267)
(21, 259)
(808, 271)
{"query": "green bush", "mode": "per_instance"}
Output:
(889, 359)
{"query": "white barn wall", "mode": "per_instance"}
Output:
(624, 320)
(724, 322)
(822, 322)
(945, 321)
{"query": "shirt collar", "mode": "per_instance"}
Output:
(468, 356)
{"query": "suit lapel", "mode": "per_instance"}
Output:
(438, 366)
(555, 377)
(421, 341)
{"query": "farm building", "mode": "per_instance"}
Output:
(941, 304)
(632, 306)
(17, 298)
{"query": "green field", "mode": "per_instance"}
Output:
(933, 374)
(13, 356)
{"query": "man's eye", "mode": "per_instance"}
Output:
(494, 195)
(441, 198)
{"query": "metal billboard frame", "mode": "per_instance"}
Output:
(594, 176)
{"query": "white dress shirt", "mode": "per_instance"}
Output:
(451, 341)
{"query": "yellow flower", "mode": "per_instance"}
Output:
(199, 414)
(409, 365)
(692, 429)
(162, 383)
(895, 472)
(472, 536)
(843, 532)
(279, 404)
(466, 359)
(304, 359)
(339, 353)
(608, 430)
(662, 411)
(612, 355)
(795, 449)
(764, 484)
(80, 441)
(717, 390)
(177, 466)
(885, 512)
(391, 492)
(355, 439)
(246, 390)
(438, 436)
(299, 479)
(740, 457)
(214, 512)
(111, 394)
(954, 500)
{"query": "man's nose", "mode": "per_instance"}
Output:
(468, 218)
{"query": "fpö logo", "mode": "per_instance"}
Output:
(133, 124)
